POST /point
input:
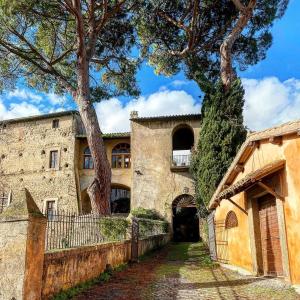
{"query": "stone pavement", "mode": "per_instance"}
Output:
(184, 271)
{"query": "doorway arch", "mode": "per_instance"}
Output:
(120, 199)
(185, 219)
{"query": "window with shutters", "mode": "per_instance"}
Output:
(53, 164)
(231, 220)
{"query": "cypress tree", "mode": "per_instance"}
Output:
(221, 135)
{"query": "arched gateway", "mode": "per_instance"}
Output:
(185, 219)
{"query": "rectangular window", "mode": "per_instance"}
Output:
(53, 159)
(55, 123)
(50, 209)
(88, 162)
(116, 161)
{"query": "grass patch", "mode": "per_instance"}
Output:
(82, 287)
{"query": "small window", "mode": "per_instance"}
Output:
(50, 209)
(55, 123)
(87, 159)
(231, 220)
(53, 159)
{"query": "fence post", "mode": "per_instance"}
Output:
(134, 240)
(22, 244)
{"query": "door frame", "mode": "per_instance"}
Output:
(254, 228)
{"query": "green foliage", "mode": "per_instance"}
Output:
(152, 227)
(166, 27)
(221, 135)
(113, 229)
(144, 213)
(38, 45)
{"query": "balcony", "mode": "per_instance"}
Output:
(180, 162)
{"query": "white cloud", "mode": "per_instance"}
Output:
(55, 99)
(25, 95)
(18, 110)
(269, 102)
(179, 83)
(114, 117)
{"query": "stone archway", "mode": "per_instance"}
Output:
(120, 199)
(185, 219)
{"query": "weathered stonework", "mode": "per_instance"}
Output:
(22, 243)
(25, 146)
(154, 184)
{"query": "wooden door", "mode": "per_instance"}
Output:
(270, 239)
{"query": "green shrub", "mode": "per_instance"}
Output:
(146, 214)
(113, 229)
(152, 227)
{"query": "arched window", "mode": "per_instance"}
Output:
(182, 142)
(87, 159)
(120, 157)
(231, 220)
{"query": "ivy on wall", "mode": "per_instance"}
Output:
(113, 229)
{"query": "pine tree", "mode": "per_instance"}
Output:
(222, 133)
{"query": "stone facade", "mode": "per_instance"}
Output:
(26, 145)
(155, 183)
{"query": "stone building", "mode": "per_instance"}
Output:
(256, 207)
(49, 155)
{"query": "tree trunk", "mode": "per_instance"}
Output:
(227, 72)
(100, 188)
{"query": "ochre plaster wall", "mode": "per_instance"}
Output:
(239, 249)
(154, 185)
(66, 268)
(25, 153)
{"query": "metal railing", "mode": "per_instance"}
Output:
(181, 160)
(69, 230)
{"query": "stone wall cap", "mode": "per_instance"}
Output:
(21, 208)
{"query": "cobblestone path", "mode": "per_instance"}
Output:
(184, 271)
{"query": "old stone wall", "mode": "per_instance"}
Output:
(66, 268)
(152, 243)
(22, 244)
(154, 184)
(25, 160)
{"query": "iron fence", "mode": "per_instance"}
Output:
(181, 160)
(70, 230)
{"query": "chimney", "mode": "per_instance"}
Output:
(134, 114)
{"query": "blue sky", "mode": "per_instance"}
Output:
(272, 88)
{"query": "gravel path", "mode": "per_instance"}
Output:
(184, 272)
